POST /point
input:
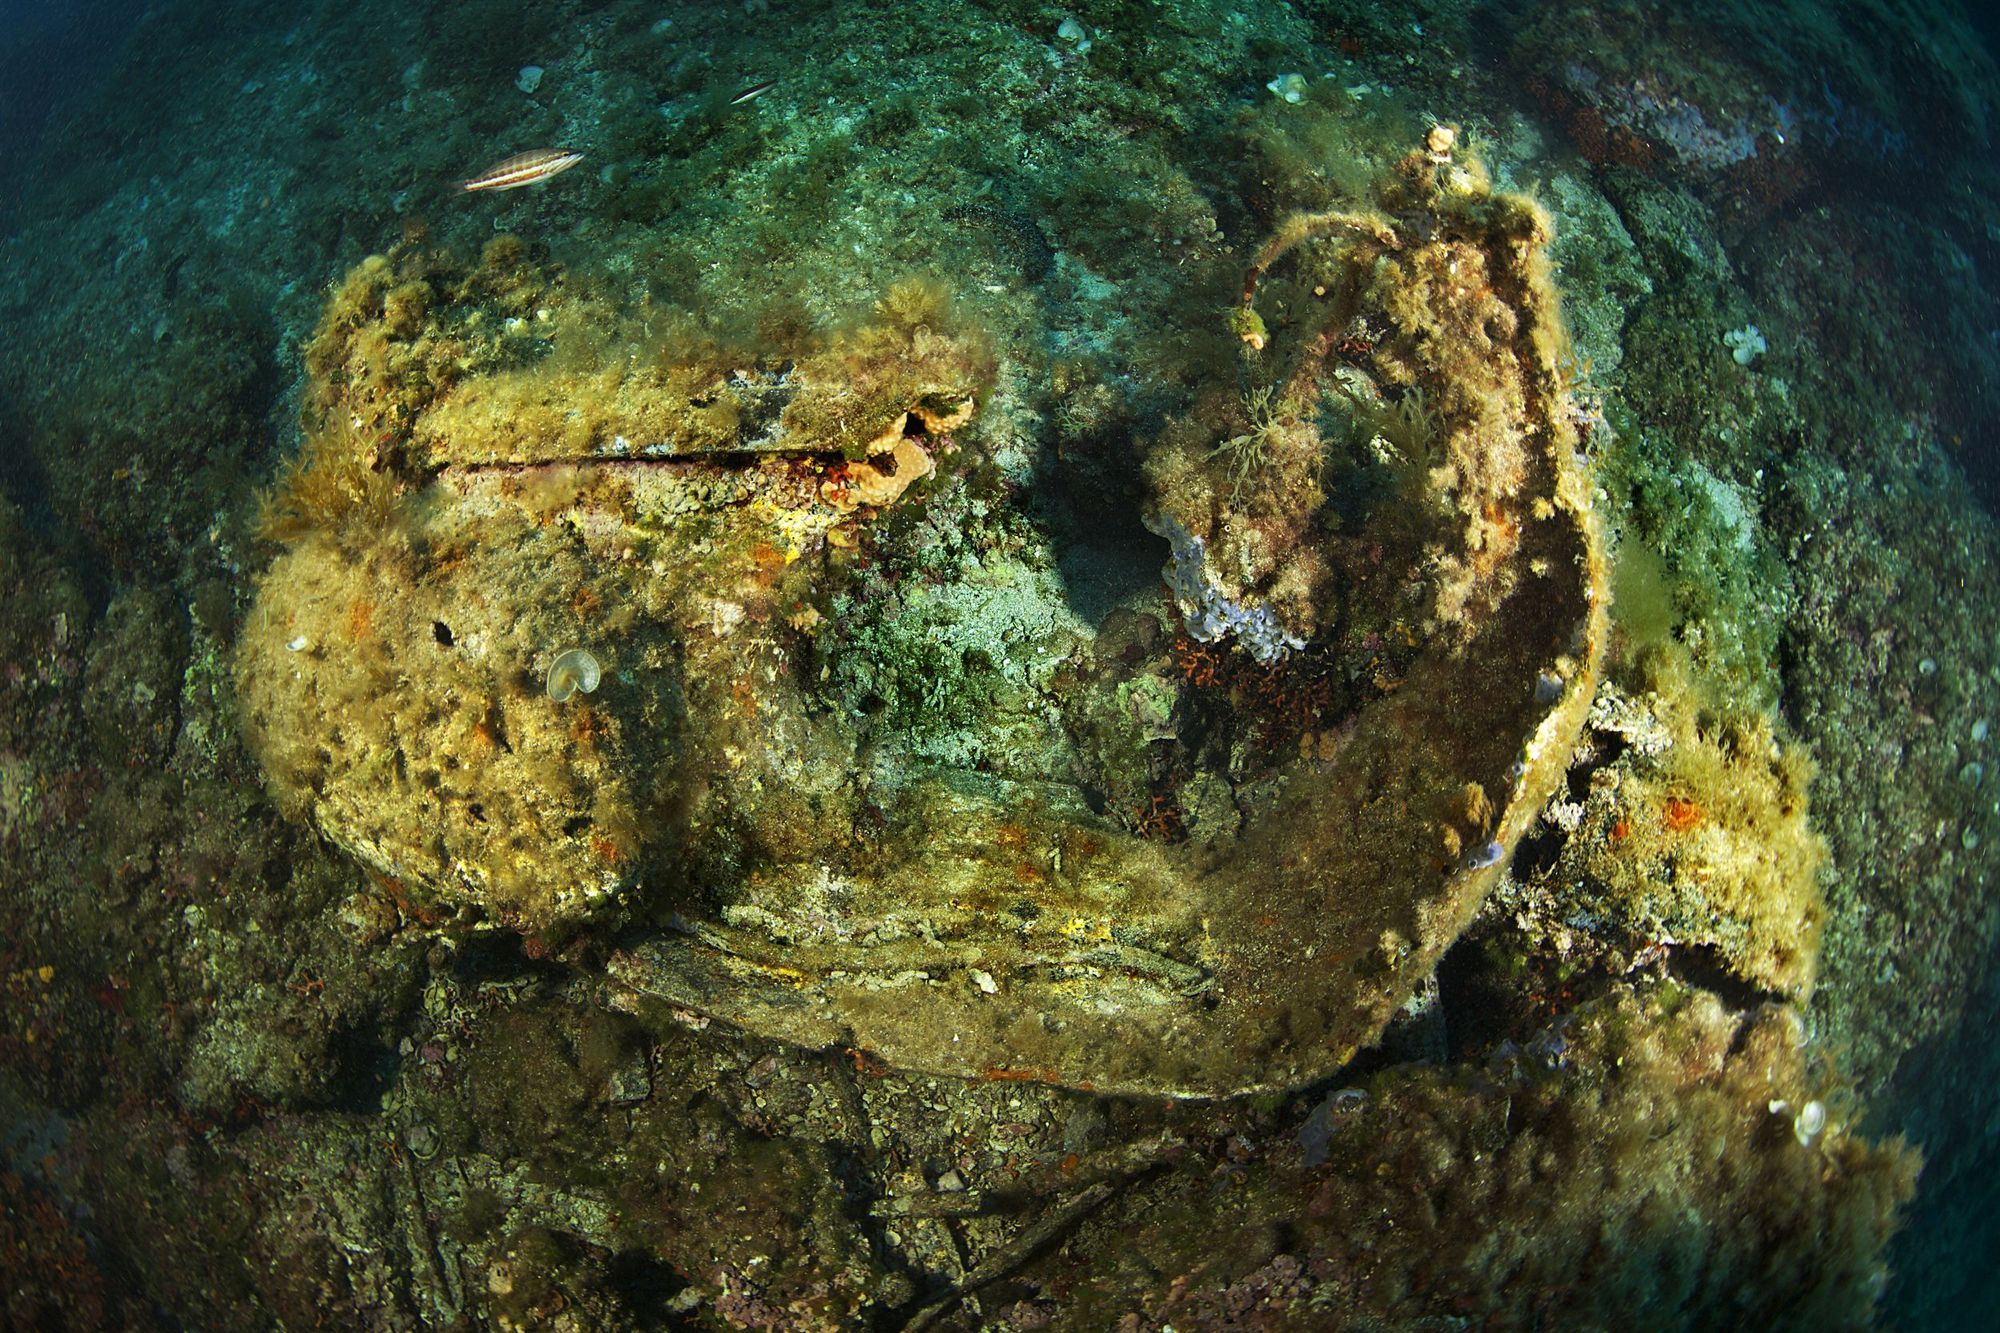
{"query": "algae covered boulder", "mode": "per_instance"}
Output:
(503, 657)
(857, 770)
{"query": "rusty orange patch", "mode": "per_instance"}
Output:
(867, 1062)
(1004, 1074)
(1680, 813)
(588, 725)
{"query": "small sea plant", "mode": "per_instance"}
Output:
(1246, 453)
(574, 670)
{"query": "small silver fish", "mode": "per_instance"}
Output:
(753, 92)
(524, 169)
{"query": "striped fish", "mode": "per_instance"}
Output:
(524, 169)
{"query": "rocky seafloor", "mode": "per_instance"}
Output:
(1077, 509)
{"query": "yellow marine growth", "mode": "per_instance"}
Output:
(421, 362)
(760, 763)
(1265, 954)
(1654, 1151)
(1438, 339)
(330, 486)
(1700, 835)
(487, 483)
(909, 360)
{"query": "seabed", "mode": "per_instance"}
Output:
(998, 667)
